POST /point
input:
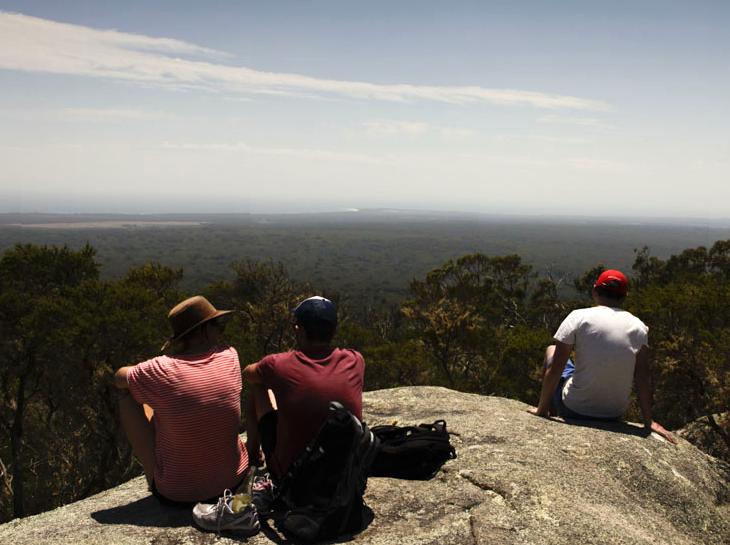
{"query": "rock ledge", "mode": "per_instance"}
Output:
(518, 479)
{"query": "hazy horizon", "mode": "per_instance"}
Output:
(526, 108)
(389, 215)
(170, 205)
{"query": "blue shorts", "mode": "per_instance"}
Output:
(562, 409)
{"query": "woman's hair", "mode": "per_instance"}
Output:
(201, 330)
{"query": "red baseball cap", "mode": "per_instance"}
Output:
(613, 280)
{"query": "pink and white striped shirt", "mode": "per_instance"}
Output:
(197, 404)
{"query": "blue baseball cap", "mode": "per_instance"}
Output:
(316, 308)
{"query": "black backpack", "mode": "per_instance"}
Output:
(411, 452)
(323, 489)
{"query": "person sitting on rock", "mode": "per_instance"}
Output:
(611, 351)
(290, 391)
(183, 415)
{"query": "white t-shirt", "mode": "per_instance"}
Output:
(606, 342)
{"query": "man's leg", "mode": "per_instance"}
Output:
(261, 401)
(547, 362)
(136, 420)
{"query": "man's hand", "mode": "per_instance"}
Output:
(533, 410)
(656, 427)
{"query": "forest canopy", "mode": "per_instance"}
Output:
(479, 323)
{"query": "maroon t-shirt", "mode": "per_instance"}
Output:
(303, 388)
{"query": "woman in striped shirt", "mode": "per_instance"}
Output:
(182, 412)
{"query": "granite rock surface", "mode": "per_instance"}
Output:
(518, 479)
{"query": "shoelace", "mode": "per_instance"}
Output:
(222, 504)
(262, 484)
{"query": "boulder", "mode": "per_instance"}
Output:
(518, 479)
(702, 434)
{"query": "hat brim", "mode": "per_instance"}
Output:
(217, 314)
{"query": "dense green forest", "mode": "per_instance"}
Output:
(478, 322)
(369, 256)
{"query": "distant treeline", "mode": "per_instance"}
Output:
(370, 258)
(478, 323)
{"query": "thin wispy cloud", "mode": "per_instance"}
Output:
(32, 44)
(388, 127)
(456, 132)
(590, 122)
(541, 138)
(298, 153)
(455, 160)
(570, 163)
(87, 115)
(113, 114)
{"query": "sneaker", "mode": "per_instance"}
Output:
(220, 517)
(262, 493)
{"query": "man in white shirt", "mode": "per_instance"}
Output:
(611, 352)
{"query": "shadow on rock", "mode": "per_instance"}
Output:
(613, 426)
(272, 529)
(145, 512)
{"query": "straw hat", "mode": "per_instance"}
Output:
(189, 314)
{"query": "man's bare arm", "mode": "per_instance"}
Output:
(250, 374)
(120, 378)
(552, 377)
(642, 379)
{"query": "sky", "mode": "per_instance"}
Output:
(519, 107)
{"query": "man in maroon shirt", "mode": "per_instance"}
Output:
(290, 391)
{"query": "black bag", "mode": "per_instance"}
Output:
(323, 488)
(411, 452)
